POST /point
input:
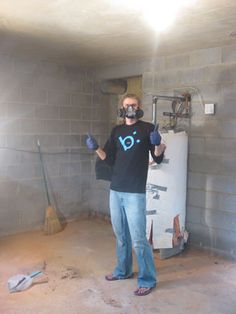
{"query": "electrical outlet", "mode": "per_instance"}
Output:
(209, 109)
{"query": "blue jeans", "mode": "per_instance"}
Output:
(128, 217)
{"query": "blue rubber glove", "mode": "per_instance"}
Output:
(155, 136)
(91, 143)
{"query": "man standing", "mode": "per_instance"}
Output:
(127, 152)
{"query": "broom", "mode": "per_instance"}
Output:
(52, 223)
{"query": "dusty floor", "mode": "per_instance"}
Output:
(76, 261)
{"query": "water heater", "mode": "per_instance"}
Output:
(166, 195)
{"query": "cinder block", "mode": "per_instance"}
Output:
(77, 154)
(47, 67)
(228, 128)
(29, 158)
(99, 128)
(75, 181)
(30, 191)
(98, 200)
(226, 243)
(81, 100)
(49, 82)
(194, 215)
(58, 98)
(60, 184)
(71, 199)
(220, 183)
(202, 236)
(31, 126)
(46, 141)
(46, 112)
(219, 219)
(58, 157)
(156, 64)
(205, 128)
(56, 126)
(214, 146)
(228, 93)
(33, 95)
(20, 110)
(100, 100)
(27, 80)
(24, 171)
(52, 169)
(219, 241)
(206, 93)
(229, 54)
(98, 114)
(177, 62)
(226, 106)
(193, 76)
(72, 113)
(22, 65)
(3, 173)
(3, 110)
(86, 114)
(8, 221)
(6, 63)
(86, 167)
(3, 140)
(13, 94)
(75, 85)
(87, 85)
(148, 82)
(196, 145)
(70, 169)
(69, 140)
(221, 147)
(221, 201)
(205, 164)
(9, 157)
(8, 190)
(80, 127)
(223, 73)
(229, 166)
(206, 56)
(196, 198)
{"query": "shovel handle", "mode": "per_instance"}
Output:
(36, 273)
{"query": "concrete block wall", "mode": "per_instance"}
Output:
(104, 118)
(55, 104)
(210, 76)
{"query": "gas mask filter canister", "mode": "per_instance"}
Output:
(130, 112)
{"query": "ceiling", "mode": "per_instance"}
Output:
(99, 32)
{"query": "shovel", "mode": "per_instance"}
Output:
(21, 282)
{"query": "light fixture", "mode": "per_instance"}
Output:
(159, 14)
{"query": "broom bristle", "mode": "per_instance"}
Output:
(52, 223)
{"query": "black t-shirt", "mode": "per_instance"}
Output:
(127, 152)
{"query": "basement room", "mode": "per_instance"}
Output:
(118, 157)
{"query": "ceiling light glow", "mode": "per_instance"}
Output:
(159, 14)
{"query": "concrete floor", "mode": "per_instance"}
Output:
(76, 260)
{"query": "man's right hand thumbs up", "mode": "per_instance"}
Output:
(91, 142)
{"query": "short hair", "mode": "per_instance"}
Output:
(134, 96)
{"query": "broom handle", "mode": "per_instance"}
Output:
(44, 175)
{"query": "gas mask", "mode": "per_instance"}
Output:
(130, 112)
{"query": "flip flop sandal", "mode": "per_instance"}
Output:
(111, 277)
(140, 293)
